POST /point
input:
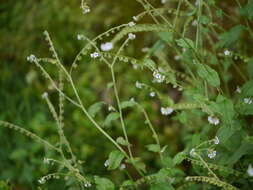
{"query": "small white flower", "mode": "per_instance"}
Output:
(238, 89)
(86, 10)
(131, 36)
(166, 111)
(44, 95)
(195, 23)
(158, 77)
(177, 57)
(213, 120)
(132, 99)
(212, 154)
(216, 140)
(138, 84)
(87, 184)
(250, 170)
(106, 46)
(145, 49)
(46, 161)
(247, 100)
(111, 108)
(31, 58)
(79, 36)
(152, 94)
(193, 152)
(227, 52)
(42, 181)
(163, 1)
(131, 23)
(122, 167)
(135, 18)
(94, 55)
(106, 164)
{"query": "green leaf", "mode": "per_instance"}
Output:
(166, 36)
(247, 10)
(95, 108)
(179, 158)
(150, 63)
(127, 104)
(115, 159)
(111, 117)
(230, 37)
(138, 163)
(153, 147)
(103, 183)
(208, 74)
(185, 43)
(122, 141)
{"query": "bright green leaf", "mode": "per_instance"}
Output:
(114, 160)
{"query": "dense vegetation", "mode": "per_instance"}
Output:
(126, 94)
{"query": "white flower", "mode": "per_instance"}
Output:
(94, 55)
(195, 23)
(145, 49)
(193, 152)
(238, 89)
(213, 120)
(106, 164)
(111, 108)
(132, 99)
(216, 140)
(227, 52)
(106, 46)
(46, 161)
(87, 184)
(135, 18)
(177, 57)
(131, 24)
(250, 170)
(158, 77)
(138, 84)
(166, 111)
(131, 36)
(247, 100)
(42, 181)
(79, 36)
(31, 58)
(212, 154)
(122, 167)
(86, 10)
(44, 95)
(163, 1)
(152, 94)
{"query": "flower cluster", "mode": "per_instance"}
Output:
(166, 110)
(44, 95)
(213, 120)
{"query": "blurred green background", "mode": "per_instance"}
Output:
(22, 23)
